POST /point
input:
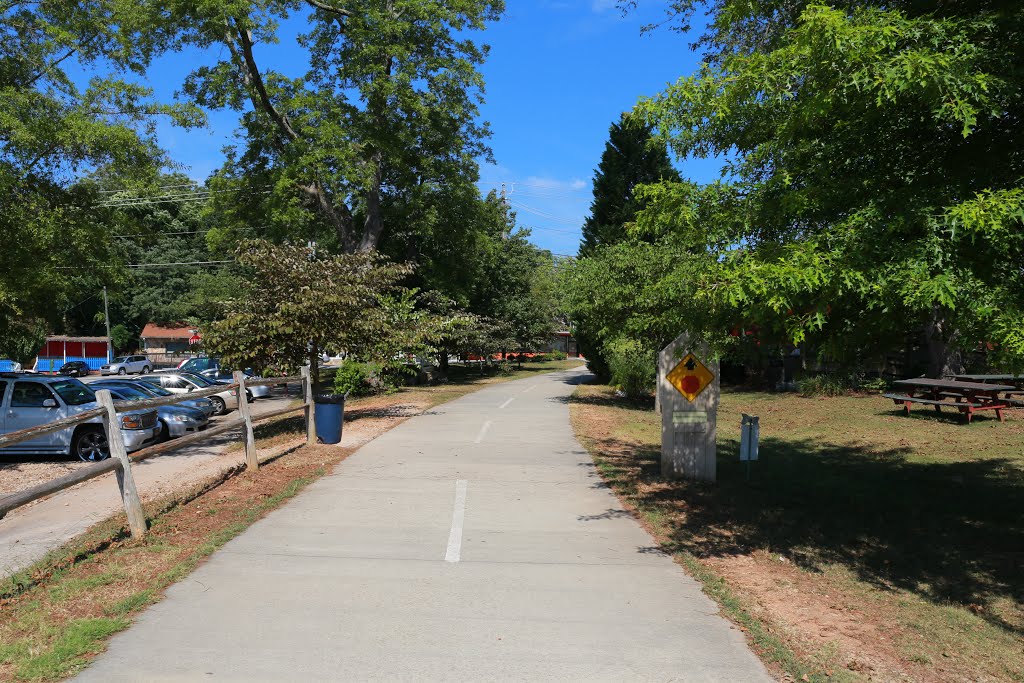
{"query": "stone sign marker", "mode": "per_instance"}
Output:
(688, 390)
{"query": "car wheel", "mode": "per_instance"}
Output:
(219, 407)
(122, 371)
(165, 433)
(90, 445)
(145, 369)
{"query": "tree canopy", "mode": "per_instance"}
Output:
(53, 129)
(631, 158)
(873, 185)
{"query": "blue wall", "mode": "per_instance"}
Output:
(53, 364)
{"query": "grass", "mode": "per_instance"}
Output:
(914, 524)
(59, 613)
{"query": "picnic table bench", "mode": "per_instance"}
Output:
(965, 396)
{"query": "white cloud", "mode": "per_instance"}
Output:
(603, 5)
(554, 184)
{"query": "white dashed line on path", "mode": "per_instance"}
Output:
(454, 553)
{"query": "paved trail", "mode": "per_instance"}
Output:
(475, 542)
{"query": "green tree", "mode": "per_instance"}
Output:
(876, 175)
(631, 157)
(56, 243)
(307, 301)
(387, 111)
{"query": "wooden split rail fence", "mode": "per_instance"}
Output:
(120, 462)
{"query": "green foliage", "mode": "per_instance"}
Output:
(51, 130)
(631, 158)
(826, 385)
(355, 378)
(348, 302)
(123, 339)
(633, 367)
(874, 182)
(387, 112)
(839, 384)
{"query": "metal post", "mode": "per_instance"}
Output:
(307, 390)
(252, 461)
(125, 480)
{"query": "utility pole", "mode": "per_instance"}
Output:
(106, 320)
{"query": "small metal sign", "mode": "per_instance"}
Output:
(750, 433)
(690, 377)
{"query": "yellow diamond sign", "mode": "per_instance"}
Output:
(690, 377)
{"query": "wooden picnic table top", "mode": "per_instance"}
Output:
(990, 378)
(954, 385)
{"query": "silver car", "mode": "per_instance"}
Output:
(34, 400)
(127, 365)
(222, 375)
(184, 382)
(174, 420)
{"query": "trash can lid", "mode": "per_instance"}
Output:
(330, 398)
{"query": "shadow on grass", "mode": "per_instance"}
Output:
(945, 531)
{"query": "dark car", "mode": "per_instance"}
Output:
(74, 368)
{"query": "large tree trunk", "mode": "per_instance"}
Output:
(944, 357)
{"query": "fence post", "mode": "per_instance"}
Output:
(125, 480)
(307, 391)
(252, 461)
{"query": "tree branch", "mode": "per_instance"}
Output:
(329, 8)
(254, 79)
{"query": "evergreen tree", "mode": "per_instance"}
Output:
(630, 158)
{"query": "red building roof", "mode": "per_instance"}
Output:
(152, 331)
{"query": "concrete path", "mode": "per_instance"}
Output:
(27, 534)
(475, 542)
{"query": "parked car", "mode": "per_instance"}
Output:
(198, 365)
(203, 405)
(174, 420)
(184, 382)
(34, 400)
(223, 375)
(74, 368)
(127, 365)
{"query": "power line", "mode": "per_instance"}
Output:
(150, 265)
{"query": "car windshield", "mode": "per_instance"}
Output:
(73, 392)
(121, 359)
(127, 391)
(151, 389)
(197, 379)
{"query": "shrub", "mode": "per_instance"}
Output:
(356, 379)
(505, 368)
(840, 385)
(632, 367)
(826, 385)
(558, 355)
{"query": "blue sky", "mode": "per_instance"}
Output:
(560, 72)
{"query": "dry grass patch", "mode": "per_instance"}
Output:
(866, 545)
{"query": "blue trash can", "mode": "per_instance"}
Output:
(330, 416)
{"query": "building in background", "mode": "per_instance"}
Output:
(58, 350)
(566, 343)
(167, 346)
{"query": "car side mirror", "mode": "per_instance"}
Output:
(191, 388)
(49, 403)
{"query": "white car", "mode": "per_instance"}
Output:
(184, 382)
(127, 365)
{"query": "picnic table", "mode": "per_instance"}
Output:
(966, 397)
